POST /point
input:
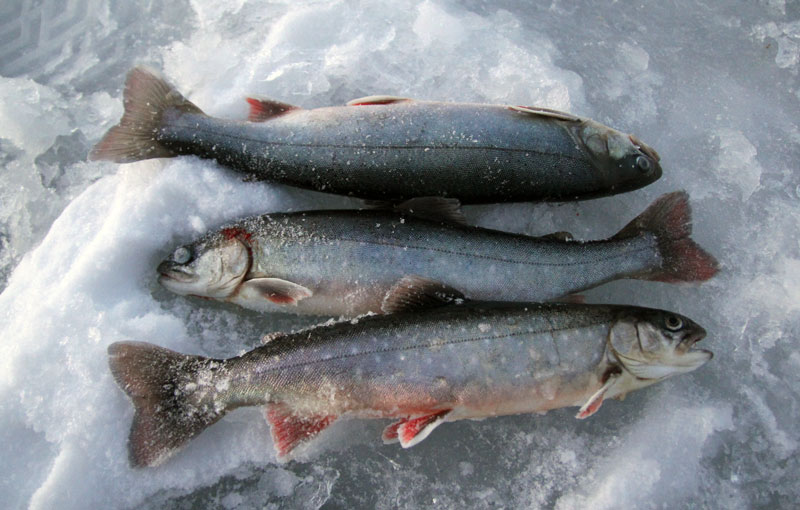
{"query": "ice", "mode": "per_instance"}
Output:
(713, 87)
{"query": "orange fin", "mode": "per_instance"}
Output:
(410, 431)
(264, 109)
(290, 430)
(595, 401)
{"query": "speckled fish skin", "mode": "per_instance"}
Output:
(396, 151)
(347, 261)
(454, 362)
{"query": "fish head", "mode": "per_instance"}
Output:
(623, 160)
(653, 345)
(212, 267)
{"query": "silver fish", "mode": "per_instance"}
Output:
(343, 263)
(421, 368)
(389, 148)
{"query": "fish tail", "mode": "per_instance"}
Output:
(172, 405)
(669, 218)
(147, 94)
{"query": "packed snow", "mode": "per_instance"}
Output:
(712, 86)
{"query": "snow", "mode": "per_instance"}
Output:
(713, 87)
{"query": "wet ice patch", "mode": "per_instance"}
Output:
(736, 165)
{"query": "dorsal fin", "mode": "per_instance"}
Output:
(545, 112)
(414, 292)
(262, 109)
(376, 100)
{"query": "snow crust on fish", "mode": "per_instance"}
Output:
(716, 94)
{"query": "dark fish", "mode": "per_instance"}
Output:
(387, 148)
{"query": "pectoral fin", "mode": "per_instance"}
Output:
(410, 431)
(595, 401)
(278, 291)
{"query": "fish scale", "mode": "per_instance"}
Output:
(343, 263)
(422, 366)
(389, 149)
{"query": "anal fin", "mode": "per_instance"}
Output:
(289, 430)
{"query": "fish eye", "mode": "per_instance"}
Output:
(673, 322)
(182, 255)
(643, 164)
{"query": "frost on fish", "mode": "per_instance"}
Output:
(344, 263)
(422, 366)
(388, 148)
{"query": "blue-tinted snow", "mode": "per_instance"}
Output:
(713, 86)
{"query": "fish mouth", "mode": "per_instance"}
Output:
(687, 345)
(168, 272)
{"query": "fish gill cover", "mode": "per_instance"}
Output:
(713, 88)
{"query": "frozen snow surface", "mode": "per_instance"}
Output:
(713, 86)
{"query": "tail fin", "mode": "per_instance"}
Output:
(147, 94)
(172, 406)
(670, 219)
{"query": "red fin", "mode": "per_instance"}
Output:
(390, 432)
(592, 407)
(289, 430)
(595, 401)
(265, 109)
(669, 218)
(414, 430)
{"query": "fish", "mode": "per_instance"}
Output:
(344, 263)
(388, 148)
(420, 367)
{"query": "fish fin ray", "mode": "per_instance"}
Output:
(263, 109)
(389, 434)
(289, 430)
(414, 292)
(377, 100)
(147, 94)
(281, 292)
(669, 218)
(413, 430)
(545, 112)
(595, 401)
(434, 209)
(165, 418)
